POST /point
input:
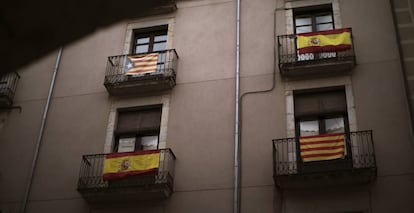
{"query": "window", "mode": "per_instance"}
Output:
(138, 129)
(313, 19)
(320, 112)
(151, 39)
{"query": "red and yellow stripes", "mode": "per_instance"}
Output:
(322, 147)
(142, 64)
(122, 165)
(325, 41)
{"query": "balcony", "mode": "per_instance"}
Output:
(357, 167)
(293, 64)
(119, 81)
(156, 185)
(8, 85)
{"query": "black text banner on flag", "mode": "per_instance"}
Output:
(322, 147)
(325, 41)
(141, 64)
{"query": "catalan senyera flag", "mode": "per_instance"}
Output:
(322, 147)
(325, 41)
(121, 165)
(141, 64)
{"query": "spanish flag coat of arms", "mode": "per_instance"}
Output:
(122, 165)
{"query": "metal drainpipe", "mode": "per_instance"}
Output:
(236, 195)
(239, 114)
(40, 136)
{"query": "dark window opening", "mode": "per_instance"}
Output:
(151, 39)
(320, 111)
(138, 129)
(313, 19)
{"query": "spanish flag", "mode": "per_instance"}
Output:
(122, 165)
(325, 41)
(141, 64)
(322, 147)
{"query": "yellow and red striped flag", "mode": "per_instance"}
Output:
(325, 41)
(122, 165)
(141, 64)
(322, 147)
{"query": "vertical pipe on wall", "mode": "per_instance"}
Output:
(240, 108)
(236, 195)
(41, 131)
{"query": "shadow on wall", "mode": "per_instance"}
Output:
(31, 29)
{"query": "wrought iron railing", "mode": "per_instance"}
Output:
(8, 85)
(91, 174)
(289, 54)
(116, 71)
(359, 150)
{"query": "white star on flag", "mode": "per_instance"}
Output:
(129, 65)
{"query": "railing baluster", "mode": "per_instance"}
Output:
(116, 73)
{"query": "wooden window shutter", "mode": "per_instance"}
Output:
(139, 121)
(307, 104)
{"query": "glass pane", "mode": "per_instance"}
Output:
(323, 19)
(126, 144)
(143, 40)
(141, 48)
(303, 21)
(334, 125)
(322, 27)
(161, 57)
(159, 46)
(304, 29)
(309, 128)
(160, 38)
(149, 142)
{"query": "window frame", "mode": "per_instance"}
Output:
(321, 124)
(151, 33)
(313, 12)
(317, 166)
(138, 139)
(137, 134)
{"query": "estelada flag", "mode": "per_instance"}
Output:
(122, 165)
(141, 64)
(322, 147)
(325, 41)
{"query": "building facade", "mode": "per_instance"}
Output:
(162, 87)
